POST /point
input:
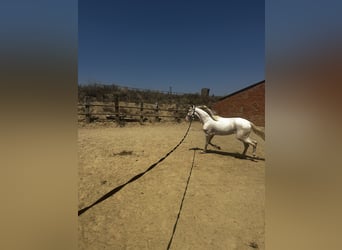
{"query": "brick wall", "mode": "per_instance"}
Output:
(248, 104)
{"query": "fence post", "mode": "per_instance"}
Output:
(141, 112)
(87, 109)
(177, 113)
(157, 112)
(117, 110)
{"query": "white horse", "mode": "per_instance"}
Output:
(217, 125)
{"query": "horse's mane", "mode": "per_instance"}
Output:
(209, 112)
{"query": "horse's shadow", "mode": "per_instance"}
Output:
(235, 155)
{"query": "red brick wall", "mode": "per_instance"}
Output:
(248, 104)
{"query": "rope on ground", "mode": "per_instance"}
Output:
(181, 205)
(117, 189)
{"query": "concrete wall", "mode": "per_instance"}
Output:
(248, 103)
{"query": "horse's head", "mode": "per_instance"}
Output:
(191, 113)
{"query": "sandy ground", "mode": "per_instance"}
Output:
(223, 207)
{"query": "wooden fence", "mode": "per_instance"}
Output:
(123, 113)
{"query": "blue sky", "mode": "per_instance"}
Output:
(186, 45)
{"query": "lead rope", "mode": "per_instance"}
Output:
(117, 189)
(181, 205)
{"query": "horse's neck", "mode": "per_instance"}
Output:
(203, 116)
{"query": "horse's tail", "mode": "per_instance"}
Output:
(258, 131)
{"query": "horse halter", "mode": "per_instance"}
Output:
(192, 116)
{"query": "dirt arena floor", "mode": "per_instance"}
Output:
(223, 207)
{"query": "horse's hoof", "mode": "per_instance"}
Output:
(219, 148)
(203, 152)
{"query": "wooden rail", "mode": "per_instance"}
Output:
(120, 116)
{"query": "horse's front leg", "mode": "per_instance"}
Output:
(208, 137)
(215, 146)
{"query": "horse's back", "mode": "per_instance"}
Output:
(223, 126)
(242, 122)
(237, 123)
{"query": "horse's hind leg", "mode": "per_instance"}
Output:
(246, 142)
(254, 143)
(246, 146)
